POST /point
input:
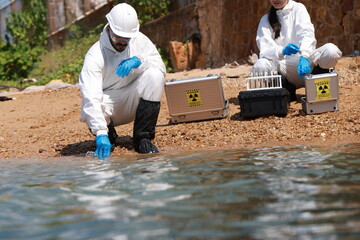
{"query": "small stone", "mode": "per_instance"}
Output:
(42, 150)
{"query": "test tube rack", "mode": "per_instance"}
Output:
(259, 81)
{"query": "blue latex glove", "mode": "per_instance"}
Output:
(291, 49)
(103, 146)
(126, 65)
(303, 66)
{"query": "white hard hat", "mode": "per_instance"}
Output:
(123, 20)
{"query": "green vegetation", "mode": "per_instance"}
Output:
(65, 63)
(26, 40)
(149, 9)
(33, 61)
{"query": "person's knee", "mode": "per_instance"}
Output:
(151, 85)
(330, 56)
(262, 65)
(154, 78)
(332, 50)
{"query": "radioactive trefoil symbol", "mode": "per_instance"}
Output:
(193, 97)
(323, 89)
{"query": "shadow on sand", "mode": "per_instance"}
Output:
(81, 148)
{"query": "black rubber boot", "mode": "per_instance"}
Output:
(147, 114)
(290, 87)
(319, 70)
(112, 133)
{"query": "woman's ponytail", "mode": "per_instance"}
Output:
(274, 22)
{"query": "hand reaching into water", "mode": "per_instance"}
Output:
(103, 146)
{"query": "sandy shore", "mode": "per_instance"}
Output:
(46, 123)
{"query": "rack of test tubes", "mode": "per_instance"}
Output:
(263, 80)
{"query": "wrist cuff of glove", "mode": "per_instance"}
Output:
(305, 54)
(141, 59)
(101, 132)
(279, 52)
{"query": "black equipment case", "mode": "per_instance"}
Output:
(264, 102)
(264, 96)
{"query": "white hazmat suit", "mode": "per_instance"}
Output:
(107, 96)
(296, 27)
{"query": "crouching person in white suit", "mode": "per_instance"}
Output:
(287, 44)
(122, 80)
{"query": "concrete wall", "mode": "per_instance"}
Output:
(64, 12)
(228, 27)
(6, 7)
(87, 13)
(176, 4)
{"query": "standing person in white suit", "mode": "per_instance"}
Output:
(122, 80)
(287, 44)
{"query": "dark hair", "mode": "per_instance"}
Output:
(274, 22)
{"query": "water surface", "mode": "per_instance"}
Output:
(295, 192)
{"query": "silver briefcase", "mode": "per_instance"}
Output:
(196, 99)
(321, 93)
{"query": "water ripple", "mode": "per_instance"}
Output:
(293, 192)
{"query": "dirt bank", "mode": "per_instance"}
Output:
(46, 123)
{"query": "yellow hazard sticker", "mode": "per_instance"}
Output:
(323, 89)
(193, 97)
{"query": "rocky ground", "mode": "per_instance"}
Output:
(46, 123)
